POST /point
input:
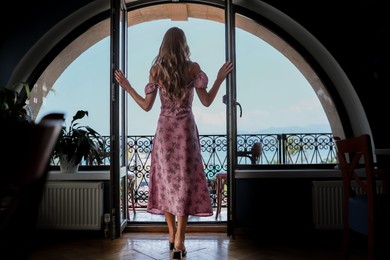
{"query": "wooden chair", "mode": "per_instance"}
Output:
(131, 191)
(254, 154)
(221, 177)
(25, 153)
(365, 210)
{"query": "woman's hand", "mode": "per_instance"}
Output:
(206, 98)
(122, 80)
(226, 68)
(146, 103)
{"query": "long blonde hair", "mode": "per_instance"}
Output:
(171, 66)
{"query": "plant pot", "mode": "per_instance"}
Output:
(68, 166)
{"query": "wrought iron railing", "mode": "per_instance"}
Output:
(277, 149)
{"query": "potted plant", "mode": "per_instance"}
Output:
(11, 105)
(75, 142)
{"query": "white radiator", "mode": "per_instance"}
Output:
(327, 203)
(71, 206)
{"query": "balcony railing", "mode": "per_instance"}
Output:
(277, 149)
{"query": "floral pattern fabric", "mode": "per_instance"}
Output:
(177, 182)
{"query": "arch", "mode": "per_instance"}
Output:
(350, 101)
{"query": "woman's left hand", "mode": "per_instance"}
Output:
(121, 79)
(226, 68)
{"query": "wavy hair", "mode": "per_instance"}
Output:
(171, 66)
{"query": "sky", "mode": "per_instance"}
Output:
(275, 97)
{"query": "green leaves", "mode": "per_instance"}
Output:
(12, 104)
(79, 140)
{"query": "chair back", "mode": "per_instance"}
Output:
(24, 156)
(256, 152)
(365, 209)
(355, 161)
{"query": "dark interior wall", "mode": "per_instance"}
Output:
(274, 206)
(23, 23)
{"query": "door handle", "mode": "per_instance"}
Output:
(224, 100)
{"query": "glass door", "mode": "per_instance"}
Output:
(118, 122)
(231, 115)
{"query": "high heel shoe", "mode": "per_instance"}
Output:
(171, 246)
(179, 254)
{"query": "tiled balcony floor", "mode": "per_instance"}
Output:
(142, 216)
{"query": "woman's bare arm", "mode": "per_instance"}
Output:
(146, 103)
(207, 98)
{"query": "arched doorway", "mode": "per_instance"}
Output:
(176, 12)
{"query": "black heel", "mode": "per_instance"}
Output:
(171, 246)
(179, 254)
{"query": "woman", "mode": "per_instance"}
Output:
(177, 184)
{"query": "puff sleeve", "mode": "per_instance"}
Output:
(150, 88)
(201, 80)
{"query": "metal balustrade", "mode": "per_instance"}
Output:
(277, 150)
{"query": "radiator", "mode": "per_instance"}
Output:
(71, 206)
(327, 203)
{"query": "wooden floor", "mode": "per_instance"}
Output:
(145, 238)
(200, 245)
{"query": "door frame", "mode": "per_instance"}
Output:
(231, 116)
(118, 121)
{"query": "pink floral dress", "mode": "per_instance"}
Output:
(177, 182)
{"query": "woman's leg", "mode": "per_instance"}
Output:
(171, 221)
(181, 232)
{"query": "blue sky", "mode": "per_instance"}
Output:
(274, 95)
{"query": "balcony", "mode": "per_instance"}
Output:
(316, 150)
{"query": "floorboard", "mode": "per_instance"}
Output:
(200, 245)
